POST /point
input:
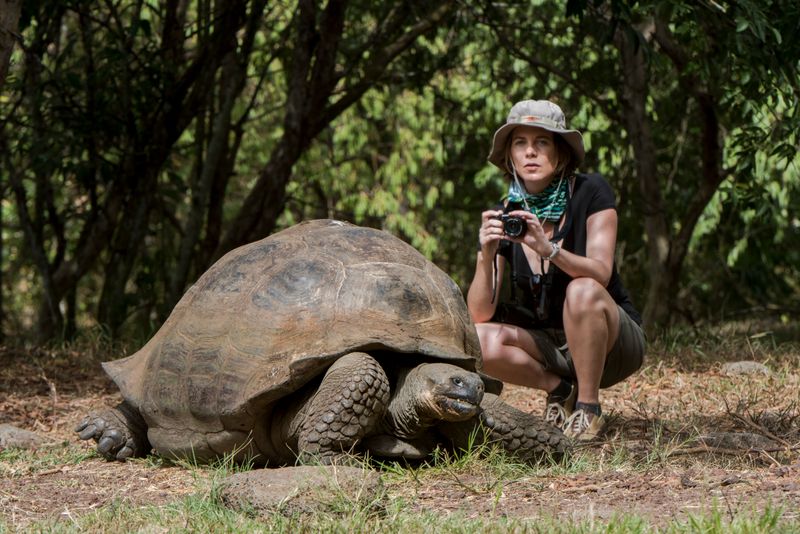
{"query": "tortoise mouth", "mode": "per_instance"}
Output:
(458, 407)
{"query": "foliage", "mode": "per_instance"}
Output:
(679, 98)
(142, 140)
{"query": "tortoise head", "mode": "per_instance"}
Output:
(445, 392)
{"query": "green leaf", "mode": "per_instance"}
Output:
(742, 25)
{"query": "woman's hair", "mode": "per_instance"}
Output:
(567, 162)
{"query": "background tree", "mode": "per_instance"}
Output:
(677, 81)
(9, 21)
(140, 141)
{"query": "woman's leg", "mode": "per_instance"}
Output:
(591, 325)
(510, 354)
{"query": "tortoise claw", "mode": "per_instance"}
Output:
(118, 435)
(125, 453)
(87, 432)
(92, 427)
(105, 445)
(110, 443)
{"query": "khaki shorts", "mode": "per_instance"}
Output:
(625, 358)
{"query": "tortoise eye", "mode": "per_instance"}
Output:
(458, 382)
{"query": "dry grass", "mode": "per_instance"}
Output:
(652, 463)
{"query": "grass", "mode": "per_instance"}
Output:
(202, 513)
(21, 462)
(479, 471)
(655, 420)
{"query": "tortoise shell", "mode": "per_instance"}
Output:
(272, 315)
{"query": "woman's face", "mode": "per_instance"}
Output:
(534, 155)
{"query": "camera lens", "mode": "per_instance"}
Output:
(514, 226)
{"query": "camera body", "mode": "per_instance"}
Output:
(513, 226)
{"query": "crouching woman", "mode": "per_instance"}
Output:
(570, 327)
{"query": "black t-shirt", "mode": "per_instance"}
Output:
(590, 194)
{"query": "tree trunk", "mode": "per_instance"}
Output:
(309, 109)
(232, 83)
(634, 93)
(218, 158)
(2, 292)
(70, 321)
(113, 308)
(50, 318)
(122, 220)
(712, 174)
(9, 26)
(214, 217)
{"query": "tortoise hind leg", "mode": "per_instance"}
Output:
(348, 404)
(120, 432)
(520, 434)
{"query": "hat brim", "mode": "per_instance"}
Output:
(497, 155)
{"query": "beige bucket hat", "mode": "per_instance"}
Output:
(541, 113)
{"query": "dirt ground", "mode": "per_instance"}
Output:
(650, 462)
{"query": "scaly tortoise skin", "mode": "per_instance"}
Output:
(319, 341)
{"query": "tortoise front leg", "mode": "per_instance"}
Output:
(120, 432)
(349, 403)
(521, 434)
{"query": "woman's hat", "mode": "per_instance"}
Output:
(541, 113)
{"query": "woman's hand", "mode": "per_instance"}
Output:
(601, 235)
(487, 279)
(491, 232)
(534, 237)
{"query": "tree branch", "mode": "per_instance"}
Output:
(382, 59)
(548, 68)
(305, 117)
(711, 149)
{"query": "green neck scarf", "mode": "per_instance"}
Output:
(549, 205)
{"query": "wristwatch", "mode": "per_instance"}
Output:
(556, 250)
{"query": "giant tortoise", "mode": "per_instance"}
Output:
(321, 341)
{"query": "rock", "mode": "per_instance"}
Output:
(302, 490)
(12, 437)
(745, 367)
(736, 441)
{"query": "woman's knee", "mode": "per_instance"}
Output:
(586, 295)
(489, 335)
(499, 340)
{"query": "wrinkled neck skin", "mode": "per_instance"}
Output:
(409, 413)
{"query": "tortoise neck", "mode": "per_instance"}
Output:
(408, 415)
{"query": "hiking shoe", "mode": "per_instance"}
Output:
(584, 426)
(556, 413)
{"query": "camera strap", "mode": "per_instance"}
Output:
(494, 276)
(543, 291)
(514, 271)
(558, 234)
(495, 272)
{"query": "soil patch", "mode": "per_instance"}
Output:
(69, 491)
(649, 463)
(659, 496)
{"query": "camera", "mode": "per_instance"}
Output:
(513, 226)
